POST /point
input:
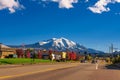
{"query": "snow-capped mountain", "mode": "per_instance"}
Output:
(59, 44)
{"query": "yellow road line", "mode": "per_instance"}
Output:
(29, 73)
(3, 77)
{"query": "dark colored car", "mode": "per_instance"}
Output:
(83, 61)
(94, 61)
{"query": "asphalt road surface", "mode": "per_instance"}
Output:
(78, 72)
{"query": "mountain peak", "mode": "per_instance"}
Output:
(54, 38)
(59, 38)
(59, 43)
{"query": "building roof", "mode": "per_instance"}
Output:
(4, 46)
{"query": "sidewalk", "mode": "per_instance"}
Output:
(9, 66)
(22, 65)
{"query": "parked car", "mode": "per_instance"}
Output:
(94, 61)
(83, 61)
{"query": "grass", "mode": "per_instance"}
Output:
(22, 61)
(27, 61)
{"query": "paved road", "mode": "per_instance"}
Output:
(76, 72)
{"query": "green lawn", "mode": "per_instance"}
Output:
(22, 61)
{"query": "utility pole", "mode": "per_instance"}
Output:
(0, 50)
(111, 49)
(0, 46)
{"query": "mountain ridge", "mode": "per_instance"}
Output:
(60, 44)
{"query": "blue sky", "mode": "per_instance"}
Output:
(30, 21)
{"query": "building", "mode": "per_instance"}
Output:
(5, 51)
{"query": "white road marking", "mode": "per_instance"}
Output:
(96, 66)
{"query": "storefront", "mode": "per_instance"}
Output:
(5, 51)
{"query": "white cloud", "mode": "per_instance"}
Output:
(117, 1)
(64, 3)
(11, 5)
(101, 6)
